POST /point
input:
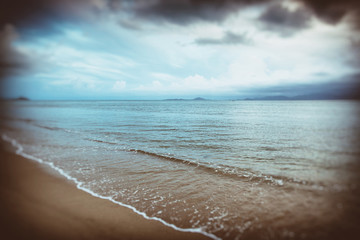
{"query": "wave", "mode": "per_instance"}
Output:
(53, 128)
(48, 127)
(243, 174)
(101, 141)
(20, 151)
(32, 122)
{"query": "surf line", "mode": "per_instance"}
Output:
(20, 151)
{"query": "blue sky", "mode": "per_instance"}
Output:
(100, 49)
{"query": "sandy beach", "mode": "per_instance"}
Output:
(36, 204)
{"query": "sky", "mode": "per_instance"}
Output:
(157, 49)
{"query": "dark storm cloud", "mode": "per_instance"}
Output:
(279, 19)
(43, 13)
(229, 38)
(187, 11)
(12, 62)
(29, 12)
(22, 18)
(333, 11)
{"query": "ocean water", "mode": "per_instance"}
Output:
(230, 169)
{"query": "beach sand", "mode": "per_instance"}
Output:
(36, 204)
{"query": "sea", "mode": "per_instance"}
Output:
(226, 169)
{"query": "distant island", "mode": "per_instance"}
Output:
(15, 99)
(21, 99)
(182, 99)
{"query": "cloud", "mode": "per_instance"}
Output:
(42, 14)
(36, 14)
(12, 61)
(184, 12)
(229, 38)
(119, 86)
(193, 84)
(164, 76)
(45, 14)
(284, 21)
(130, 24)
(333, 11)
(75, 81)
(23, 18)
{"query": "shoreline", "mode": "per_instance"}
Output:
(38, 204)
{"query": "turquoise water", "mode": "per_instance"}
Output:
(235, 169)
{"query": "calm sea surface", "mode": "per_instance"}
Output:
(235, 169)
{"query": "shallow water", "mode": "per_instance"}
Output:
(235, 169)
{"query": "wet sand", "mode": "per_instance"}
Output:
(36, 204)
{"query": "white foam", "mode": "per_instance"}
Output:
(20, 151)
